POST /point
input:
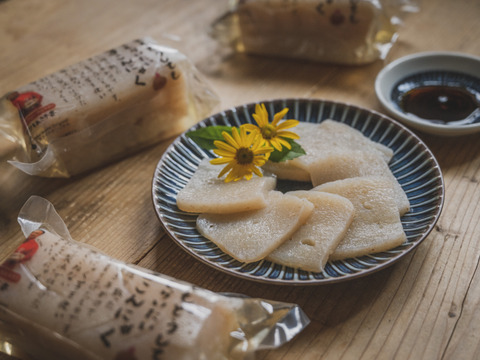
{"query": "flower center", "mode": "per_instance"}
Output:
(268, 132)
(244, 156)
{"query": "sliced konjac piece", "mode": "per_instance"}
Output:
(206, 193)
(287, 170)
(344, 165)
(250, 236)
(311, 245)
(330, 137)
(376, 225)
(341, 135)
(319, 140)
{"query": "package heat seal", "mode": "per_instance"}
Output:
(61, 299)
(104, 108)
(350, 32)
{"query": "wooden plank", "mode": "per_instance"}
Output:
(423, 307)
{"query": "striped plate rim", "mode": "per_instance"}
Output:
(413, 164)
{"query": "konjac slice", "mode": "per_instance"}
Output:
(337, 135)
(311, 245)
(344, 165)
(250, 236)
(376, 226)
(206, 193)
(287, 170)
(331, 136)
(320, 140)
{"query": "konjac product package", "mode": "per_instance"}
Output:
(349, 32)
(104, 108)
(61, 299)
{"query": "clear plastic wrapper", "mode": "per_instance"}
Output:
(60, 299)
(334, 31)
(103, 108)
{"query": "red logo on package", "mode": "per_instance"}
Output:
(29, 104)
(23, 253)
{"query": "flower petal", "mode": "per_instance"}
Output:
(288, 134)
(224, 153)
(229, 139)
(258, 108)
(264, 111)
(224, 146)
(263, 150)
(276, 144)
(220, 161)
(225, 170)
(257, 142)
(237, 138)
(261, 115)
(278, 116)
(257, 172)
(259, 161)
(258, 119)
(232, 176)
(284, 143)
(247, 138)
(251, 128)
(287, 124)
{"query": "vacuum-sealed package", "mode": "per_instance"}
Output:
(104, 108)
(334, 31)
(61, 299)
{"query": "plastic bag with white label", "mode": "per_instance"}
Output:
(349, 32)
(103, 108)
(61, 299)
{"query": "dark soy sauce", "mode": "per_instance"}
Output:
(439, 103)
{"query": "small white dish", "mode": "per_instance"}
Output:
(427, 63)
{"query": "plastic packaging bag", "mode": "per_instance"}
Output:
(333, 31)
(103, 109)
(60, 299)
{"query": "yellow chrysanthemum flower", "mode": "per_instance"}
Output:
(273, 133)
(242, 152)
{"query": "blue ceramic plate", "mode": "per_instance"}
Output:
(413, 165)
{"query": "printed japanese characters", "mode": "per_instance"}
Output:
(62, 299)
(103, 108)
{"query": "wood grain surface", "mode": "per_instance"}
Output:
(426, 306)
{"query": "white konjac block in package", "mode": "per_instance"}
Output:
(103, 108)
(349, 32)
(60, 299)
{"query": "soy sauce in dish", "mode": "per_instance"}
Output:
(444, 103)
(442, 97)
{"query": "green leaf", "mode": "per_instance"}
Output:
(286, 154)
(204, 137)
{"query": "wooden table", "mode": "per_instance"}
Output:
(426, 306)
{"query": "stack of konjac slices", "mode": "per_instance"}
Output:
(353, 208)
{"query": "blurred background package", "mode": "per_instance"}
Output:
(351, 32)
